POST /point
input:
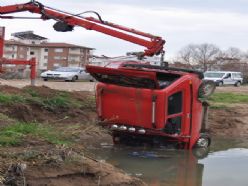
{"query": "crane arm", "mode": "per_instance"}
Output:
(66, 21)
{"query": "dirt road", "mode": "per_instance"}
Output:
(59, 85)
(90, 86)
(233, 89)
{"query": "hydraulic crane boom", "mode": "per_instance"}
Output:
(66, 21)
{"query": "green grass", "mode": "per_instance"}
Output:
(61, 100)
(229, 98)
(32, 92)
(9, 98)
(14, 134)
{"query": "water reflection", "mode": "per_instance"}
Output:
(157, 166)
(225, 164)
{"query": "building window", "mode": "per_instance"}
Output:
(59, 58)
(58, 50)
(74, 58)
(33, 42)
(45, 49)
(13, 56)
(45, 57)
(31, 52)
(56, 65)
(45, 64)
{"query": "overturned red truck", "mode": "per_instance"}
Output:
(137, 101)
(153, 104)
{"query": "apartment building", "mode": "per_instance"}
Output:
(49, 55)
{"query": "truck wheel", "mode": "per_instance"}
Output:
(45, 79)
(204, 141)
(206, 89)
(200, 153)
(237, 84)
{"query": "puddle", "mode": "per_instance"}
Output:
(225, 164)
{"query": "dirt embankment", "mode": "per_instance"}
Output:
(231, 120)
(44, 134)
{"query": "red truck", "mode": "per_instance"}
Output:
(153, 103)
(138, 102)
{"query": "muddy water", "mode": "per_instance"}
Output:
(225, 163)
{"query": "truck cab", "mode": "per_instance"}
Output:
(151, 103)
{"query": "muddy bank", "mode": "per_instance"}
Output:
(231, 120)
(44, 136)
(49, 165)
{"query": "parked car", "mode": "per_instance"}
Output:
(224, 77)
(67, 74)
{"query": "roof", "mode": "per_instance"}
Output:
(222, 72)
(28, 35)
(47, 45)
(62, 45)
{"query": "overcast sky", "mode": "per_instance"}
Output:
(179, 22)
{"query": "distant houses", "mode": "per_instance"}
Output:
(49, 55)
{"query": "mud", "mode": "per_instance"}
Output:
(47, 165)
(230, 121)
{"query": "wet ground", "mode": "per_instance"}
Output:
(224, 164)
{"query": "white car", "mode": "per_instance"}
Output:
(224, 77)
(67, 74)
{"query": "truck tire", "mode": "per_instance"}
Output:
(204, 141)
(200, 153)
(206, 89)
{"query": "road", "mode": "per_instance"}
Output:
(90, 86)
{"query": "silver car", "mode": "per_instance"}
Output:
(67, 74)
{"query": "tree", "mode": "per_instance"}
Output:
(233, 53)
(203, 56)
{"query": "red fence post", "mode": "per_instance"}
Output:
(2, 34)
(33, 71)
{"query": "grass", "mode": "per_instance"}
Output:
(60, 100)
(229, 98)
(14, 134)
(9, 98)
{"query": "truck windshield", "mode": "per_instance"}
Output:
(214, 74)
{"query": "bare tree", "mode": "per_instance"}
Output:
(233, 53)
(186, 55)
(202, 55)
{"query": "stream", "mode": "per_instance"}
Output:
(225, 163)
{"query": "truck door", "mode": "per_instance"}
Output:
(178, 110)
